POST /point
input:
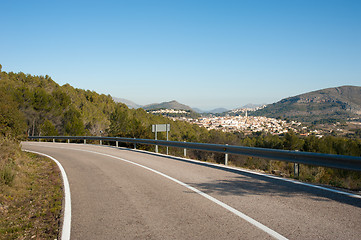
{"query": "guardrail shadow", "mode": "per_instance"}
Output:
(246, 183)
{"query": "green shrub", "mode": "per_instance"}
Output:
(6, 175)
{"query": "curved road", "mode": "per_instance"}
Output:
(119, 193)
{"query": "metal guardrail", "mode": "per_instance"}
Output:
(317, 159)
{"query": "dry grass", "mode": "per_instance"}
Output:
(31, 198)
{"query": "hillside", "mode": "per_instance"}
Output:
(37, 105)
(52, 109)
(329, 104)
(168, 105)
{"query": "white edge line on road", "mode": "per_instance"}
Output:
(222, 204)
(229, 208)
(65, 233)
(285, 180)
(258, 173)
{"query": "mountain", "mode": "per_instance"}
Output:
(323, 105)
(127, 102)
(167, 105)
(218, 110)
(197, 110)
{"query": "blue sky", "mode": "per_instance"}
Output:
(205, 54)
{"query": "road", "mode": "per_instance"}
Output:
(118, 193)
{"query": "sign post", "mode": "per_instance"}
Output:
(160, 128)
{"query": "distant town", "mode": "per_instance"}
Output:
(331, 111)
(168, 111)
(238, 121)
(245, 124)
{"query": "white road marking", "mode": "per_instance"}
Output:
(280, 178)
(222, 204)
(65, 234)
(260, 174)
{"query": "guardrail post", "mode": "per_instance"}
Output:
(68, 140)
(116, 143)
(101, 142)
(53, 140)
(185, 151)
(226, 158)
(296, 168)
(135, 145)
(84, 141)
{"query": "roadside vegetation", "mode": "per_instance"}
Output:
(36, 105)
(30, 194)
(30, 186)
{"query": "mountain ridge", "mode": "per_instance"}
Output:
(176, 105)
(330, 103)
(167, 105)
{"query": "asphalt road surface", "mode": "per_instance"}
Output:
(119, 193)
